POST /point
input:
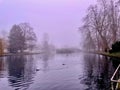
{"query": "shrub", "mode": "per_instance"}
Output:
(115, 47)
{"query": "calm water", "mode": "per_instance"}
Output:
(58, 72)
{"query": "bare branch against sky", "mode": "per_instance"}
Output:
(59, 18)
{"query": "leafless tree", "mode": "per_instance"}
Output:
(102, 22)
(21, 37)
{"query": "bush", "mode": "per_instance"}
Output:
(115, 47)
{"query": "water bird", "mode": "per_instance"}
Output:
(37, 69)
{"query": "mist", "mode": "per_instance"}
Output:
(60, 19)
(59, 44)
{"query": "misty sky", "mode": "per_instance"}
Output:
(59, 18)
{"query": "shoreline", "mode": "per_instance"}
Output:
(24, 53)
(115, 55)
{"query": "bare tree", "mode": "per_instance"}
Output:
(16, 40)
(21, 37)
(29, 35)
(102, 23)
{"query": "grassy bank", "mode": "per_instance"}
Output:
(117, 55)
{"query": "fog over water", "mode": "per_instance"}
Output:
(59, 18)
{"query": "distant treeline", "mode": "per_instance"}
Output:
(67, 50)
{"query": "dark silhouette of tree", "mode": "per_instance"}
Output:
(16, 40)
(21, 37)
(115, 47)
(29, 35)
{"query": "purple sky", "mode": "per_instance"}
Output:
(59, 18)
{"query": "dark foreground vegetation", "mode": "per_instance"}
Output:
(115, 47)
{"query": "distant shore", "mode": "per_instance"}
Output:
(24, 53)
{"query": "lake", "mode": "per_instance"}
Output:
(78, 71)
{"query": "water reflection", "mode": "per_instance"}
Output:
(45, 58)
(2, 66)
(115, 62)
(63, 72)
(21, 71)
(97, 72)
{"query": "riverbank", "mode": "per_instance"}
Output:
(116, 55)
(24, 53)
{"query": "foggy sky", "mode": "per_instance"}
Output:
(59, 18)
